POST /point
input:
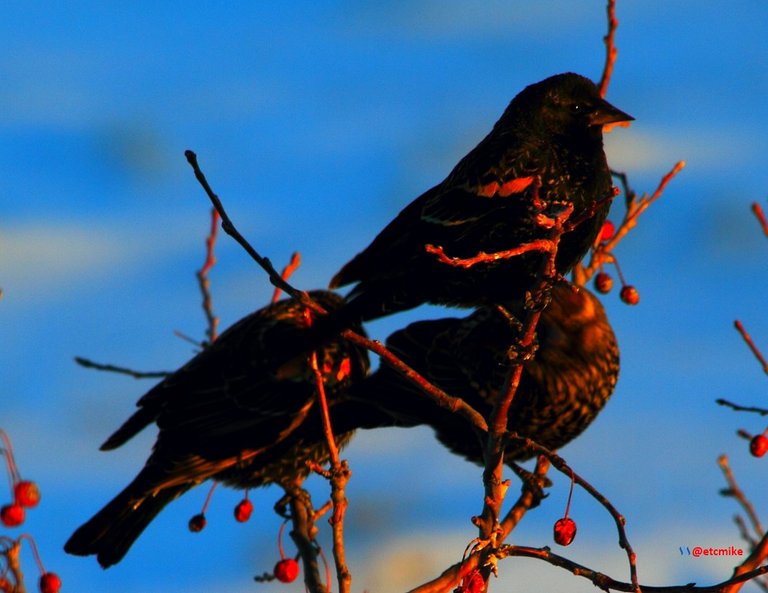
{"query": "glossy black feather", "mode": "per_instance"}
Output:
(551, 133)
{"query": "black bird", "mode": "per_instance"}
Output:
(550, 136)
(231, 413)
(561, 390)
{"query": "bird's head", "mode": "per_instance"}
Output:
(564, 104)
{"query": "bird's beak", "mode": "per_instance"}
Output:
(605, 113)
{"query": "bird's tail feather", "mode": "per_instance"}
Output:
(111, 532)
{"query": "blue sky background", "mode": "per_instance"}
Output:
(316, 123)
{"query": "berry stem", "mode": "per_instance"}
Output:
(35, 552)
(570, 495)
(280, 540)
(13, 471)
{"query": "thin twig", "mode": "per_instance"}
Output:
(635, 206)
(89, 364)
(444, 400)
(339, 476)
(610, 48)
(205, 283)
(288, 270)
(761, 218)
(740, 408)
(607, 583)
(755, 350)
(303, 535)
(562, 466)
(736, 492)
(229, 228)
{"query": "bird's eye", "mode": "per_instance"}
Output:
(578, 108)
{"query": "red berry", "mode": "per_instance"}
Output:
(50, 583)
(5, 586)
(472, 583)
(27, 493)
(603, 283)
(197, 523)
(629, 295)
(286, 570)
(565, 531)
(606, 233)
(758, 446)
(12, 515)
(243, 510)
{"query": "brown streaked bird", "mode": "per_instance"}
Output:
(561, 390)
(231, 413)
(549, 135)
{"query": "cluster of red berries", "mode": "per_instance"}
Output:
(26, 495)
(243, 512)
(604, 282)
(286, 570)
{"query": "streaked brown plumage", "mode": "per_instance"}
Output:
(231, 407)
(561, 390)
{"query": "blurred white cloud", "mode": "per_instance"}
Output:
(42, 260)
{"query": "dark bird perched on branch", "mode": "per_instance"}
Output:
(228, 408)
(548, 144)
(561, 390)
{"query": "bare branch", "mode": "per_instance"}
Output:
(89, 364)
(607, 583)
(338, 476)
(740, 408)
(288, 270)
(755, 350)
(204, 282)
(610, 48)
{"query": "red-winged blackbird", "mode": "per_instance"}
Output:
(550, 134)
(231, 413)
(561, 389)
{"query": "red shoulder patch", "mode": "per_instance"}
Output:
(513, 186)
